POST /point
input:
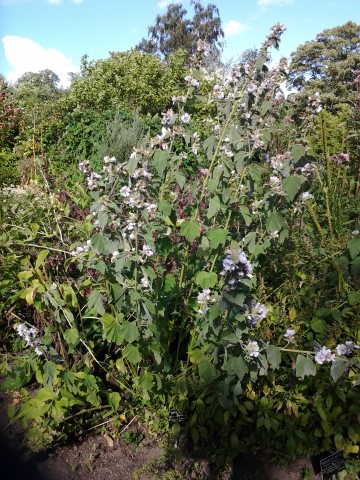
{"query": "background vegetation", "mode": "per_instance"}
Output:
(182, 243)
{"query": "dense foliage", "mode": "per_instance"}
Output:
(132, 79)
(202, 274)
(174, 30)
(329, 64)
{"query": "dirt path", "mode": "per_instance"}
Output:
(101, 457)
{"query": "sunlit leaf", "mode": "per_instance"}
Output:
(214, 207)
(96, 301)
(206, 279)
(216, 236)
(292, 185)
(71, 336)
(41, 257)
(114, 400)
(297, 152)
(132, 353)
(98, 243)
(275, 222)
(190, 230)
(160, 161)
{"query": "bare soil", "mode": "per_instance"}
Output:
(102, 457)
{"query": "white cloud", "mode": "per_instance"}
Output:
(266, 3)
(233, 27)
(163, 3)
(25, 55)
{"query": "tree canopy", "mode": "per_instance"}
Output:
(37, 87)
(328, 65)
(174, 30)
(134, 80)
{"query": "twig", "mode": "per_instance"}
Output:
(128, 425)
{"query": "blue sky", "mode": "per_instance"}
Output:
(39, 34)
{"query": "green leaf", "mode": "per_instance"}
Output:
(101, 266)
(304, 366)
(130, 332)
(236, 366)
(175, 429)
(160, 161)
(69, 379)
(197, 356)
(114, 400)
(15, 379)
(34, 228)
(96, 301)
(266, 137)
(132, 164)
(354, 433)
(336, 314)
(354, 298)
(45, 394)
(236, 298)
(69, 295)
(98, 243)
(206, 279)
(208, 146)
(50, 373)
(195, 435)
(41, 257)
(146, 380)
(25, 275)
(164, 246)
(181, 179)
(355, 267)
(190, 230)
(318, 325)
(169, 283)
(338, 368)
(132, 353)
(297, 152)
(292, 185)
(164, 207)
(112, 331)
(265, 107)
(275, 222)
(353, 246)
(321, 412)
(216, 236)
(250, 239)
(273, 356)
(214, 207)
(339, 441)
(207, 371)
(71, 336)
(245, 212)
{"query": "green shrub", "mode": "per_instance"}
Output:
(9, 170)
(225, 300)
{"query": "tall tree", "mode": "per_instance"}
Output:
(328, 65)
(174, 30)
(37, 87)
